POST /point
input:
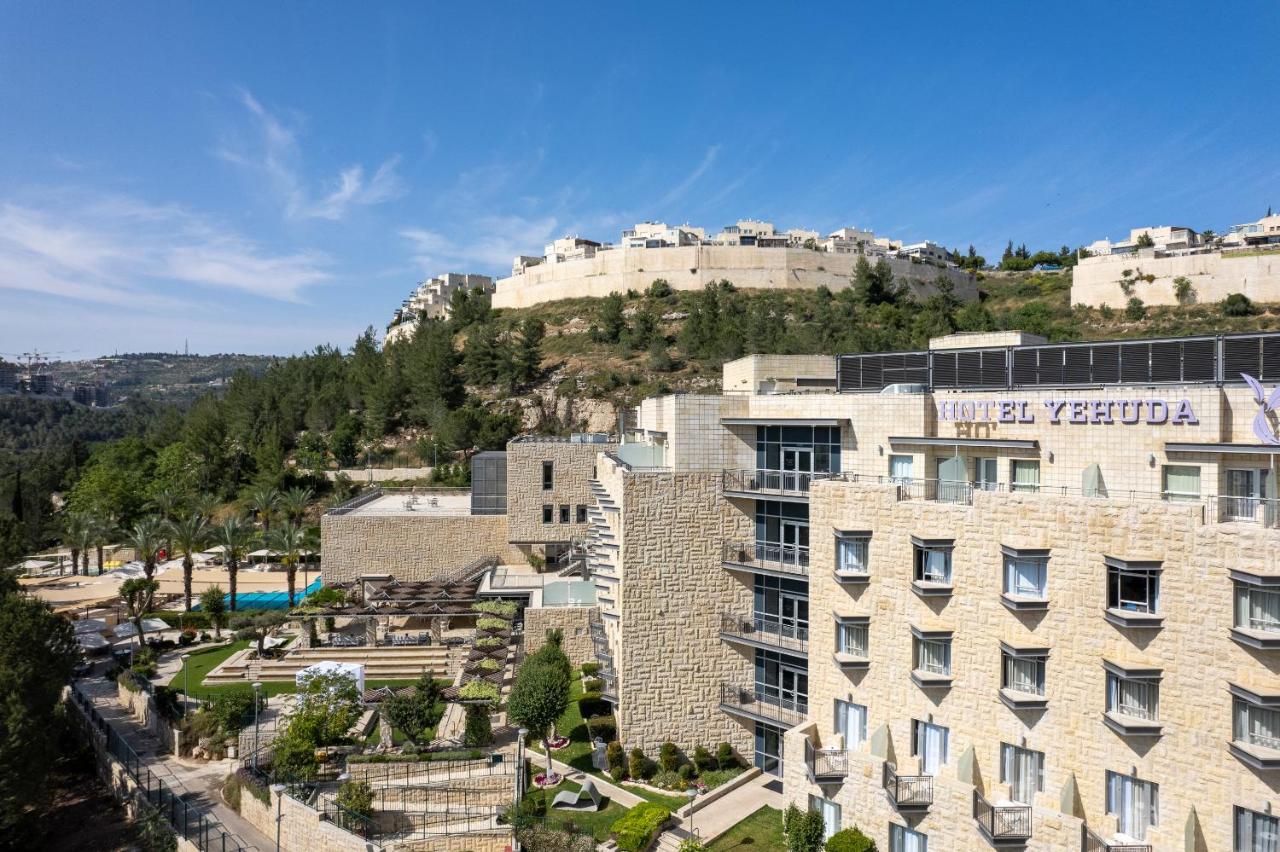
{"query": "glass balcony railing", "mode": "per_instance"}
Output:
(774, 483)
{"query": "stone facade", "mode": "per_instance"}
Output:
(573, 621)
(1096, 280)
(571, 470)
(672, 592)
(693, 267)
(414, 547)
(1199, 781)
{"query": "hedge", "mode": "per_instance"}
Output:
(197, 619)
(604, 727)
(502, 609)
(593, 705)
(634, 829)
(590, 669)
(426, 756)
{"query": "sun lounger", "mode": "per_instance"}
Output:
(588, 798)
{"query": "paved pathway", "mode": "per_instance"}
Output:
(730, 809)
(197, 783)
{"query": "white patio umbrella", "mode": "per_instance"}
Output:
(149, 625)
(89, 625)
(91, 641)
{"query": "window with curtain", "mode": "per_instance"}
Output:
(1255, 725)
(1181, 482)
(851, 723)
(1024, 577)
(929, 743)
(1023, 674)
(1134, 803)
(933, 564)
(851, 555)
(903, 839)
(1025, 475)
(1257, 608)
(900, 468)
(1023, 770)
(1133, 589)
(1135, 697)
(1256, 832)
(933, 655)
(851, 638)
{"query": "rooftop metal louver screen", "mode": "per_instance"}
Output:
(1191, 360)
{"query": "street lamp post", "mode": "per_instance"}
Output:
(278, 789)
(692, 801)
(257, 696)
(186, 691)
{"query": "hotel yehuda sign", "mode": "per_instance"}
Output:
(1153, 412)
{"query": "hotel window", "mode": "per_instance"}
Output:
(1022, 670)
(1026, 573)
(1180, 482)
(1023, 770)
(547, 511)
(1244, 494)
(929, 743)
(900, 469)
(1257, 606)
(1256, 832)
(851, 723)
(548, 475)
(1134, 803)
(1024, 475)
(932, 560)
(564, 513)
(903, 839)
(1133, 693)
(851, 637)
(582, 513)
(851, 554)
(930, 654)
(988, 478)
(1255, 719)
(830, 814)
(803, 448)
(1133, 587)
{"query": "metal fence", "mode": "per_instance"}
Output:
(1002, 822)
(190, 823)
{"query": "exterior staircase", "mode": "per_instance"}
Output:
(383, 662)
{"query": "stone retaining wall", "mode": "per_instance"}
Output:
(574, 621)
(418, 547)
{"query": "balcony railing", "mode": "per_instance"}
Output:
(767, 629)
(826, 764)
(763, 701)
(783, 558)
(908, 791)
(1092, 842)
(775, 483)
(1002, 823)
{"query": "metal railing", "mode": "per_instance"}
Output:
(908, 791)
(770, 629)
(826, 764)
(770, 482)
(190, 823)
(440, 822)
(426, 772)
(1002, 822)
(786, 558)
(361, 499)
(763, 701)
(349, 821)
(471, 570)
(1090, 841)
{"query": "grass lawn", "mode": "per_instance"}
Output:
(597, 823)
(206, 660)
(578, 752)
(760, 831)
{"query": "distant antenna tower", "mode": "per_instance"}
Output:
(186, 348)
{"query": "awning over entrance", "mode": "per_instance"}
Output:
(780, 420)
(931, 441)
(1223, 449)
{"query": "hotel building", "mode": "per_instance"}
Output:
(995, 593)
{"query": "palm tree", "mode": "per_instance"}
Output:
(74, 533)
(168, 504)
(294, 503)
(288, 541)
(189, 537)
(145, 538)
(235, 538)
(204, 506)
(310, 548)
(262, 502)
(101, 529)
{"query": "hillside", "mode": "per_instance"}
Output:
(159, 375)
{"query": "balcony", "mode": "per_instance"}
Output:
(787, 560)
(908, 792)
(770, 632)
(762, 703)
(1092, 842)
(609, 692)
(826, 765)
(1002, 824)
(790, 485)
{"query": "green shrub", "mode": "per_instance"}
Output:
(356, 797)
(602, 727)
(479, 728)
(490, 642)
(488, 622)
(659, 289)
(1238, 305)
(423, 757)
(1135, 309)
(806, 833)
(703, 760)
(685, 772)
(725, 758)
(616, 759)
(592, 685)
(489, 665)
(634, 829)
(593, 705)
(669, 781)
(668, 756)
(850, 840)
(717, 777)
(504, 609)
(324, 596)
(638, 765)
(478, 690)
(231, 709)
(590, 669)
(789, 818)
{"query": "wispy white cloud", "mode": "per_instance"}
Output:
(491, 243)
(679, 190)
(277, 155)
(121, 251)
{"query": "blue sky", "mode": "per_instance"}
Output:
(265, 177)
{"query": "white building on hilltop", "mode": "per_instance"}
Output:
(432, 299)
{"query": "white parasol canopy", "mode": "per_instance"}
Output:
(91, 641)
(89, 625)
(149, 625)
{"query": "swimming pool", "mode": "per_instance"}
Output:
(268, 600)
(569, 592)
